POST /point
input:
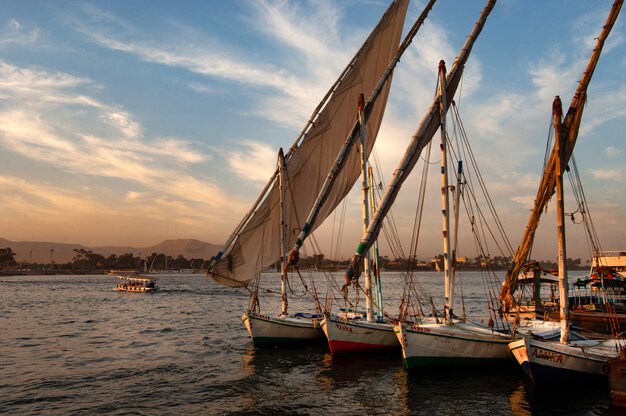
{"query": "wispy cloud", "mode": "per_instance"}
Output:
(585, 30)
(299, 70)
(38, 85)
(554, 75)
(254, 161)
(608, 106)
(526, 200)
(12, 33)
(120, 150)
(610, 174)
(200, 88)
(297, 28)
(613, 152)
(39, 200)
(197, 54)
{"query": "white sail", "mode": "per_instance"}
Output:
(255, 245)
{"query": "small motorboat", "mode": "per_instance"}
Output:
(136, 283)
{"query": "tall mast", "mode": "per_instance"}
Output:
(457, 209)
(445, 200)
(342, 155)
(423, 135)
(376, 260)
(557, 112)
(546, 189)
(283, 225)
(366, 208)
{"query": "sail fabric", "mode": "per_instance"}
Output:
(257, 244)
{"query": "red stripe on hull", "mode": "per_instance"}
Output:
(349, 346)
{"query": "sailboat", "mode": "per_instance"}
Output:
(345, 331)
(348, 331)
(271, 225)
(546, 361)
(547, 185)
(565, 360)
(361, 129)
(482, 340)
(453, 341)
(337, 341)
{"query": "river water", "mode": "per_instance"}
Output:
(71, 345)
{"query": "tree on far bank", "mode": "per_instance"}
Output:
(7, 257)
(87, 259)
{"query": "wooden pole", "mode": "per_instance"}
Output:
(445, 200)
(283, 242)
(557, 112)
(365, 208)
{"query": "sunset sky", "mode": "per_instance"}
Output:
(127, 123)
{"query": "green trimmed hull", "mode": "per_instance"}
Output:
(441, 345)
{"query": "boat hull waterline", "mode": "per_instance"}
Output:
(345, 335)
(551, 361)
(278, 330)
(459, 344)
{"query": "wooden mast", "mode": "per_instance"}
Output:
(375, 257)
(445, 200)
(369, 311)
(457, 209)
(557, 112)
(283, 225)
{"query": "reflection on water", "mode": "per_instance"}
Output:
(588, 399)
(311, 380)
(72, 346)
(518, 402)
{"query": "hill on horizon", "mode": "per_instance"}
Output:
(40, 251)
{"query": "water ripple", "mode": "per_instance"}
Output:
(184, 350)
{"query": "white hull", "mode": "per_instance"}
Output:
(442, 344)
(273, 330)
(550, 361)
(346, 335)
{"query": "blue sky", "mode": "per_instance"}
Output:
(126, 123)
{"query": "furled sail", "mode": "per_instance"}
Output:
(426, 130)
(254, 245)
(569, 132)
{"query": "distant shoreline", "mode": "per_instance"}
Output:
(201, 272)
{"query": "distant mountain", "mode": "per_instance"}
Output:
(40, 251)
